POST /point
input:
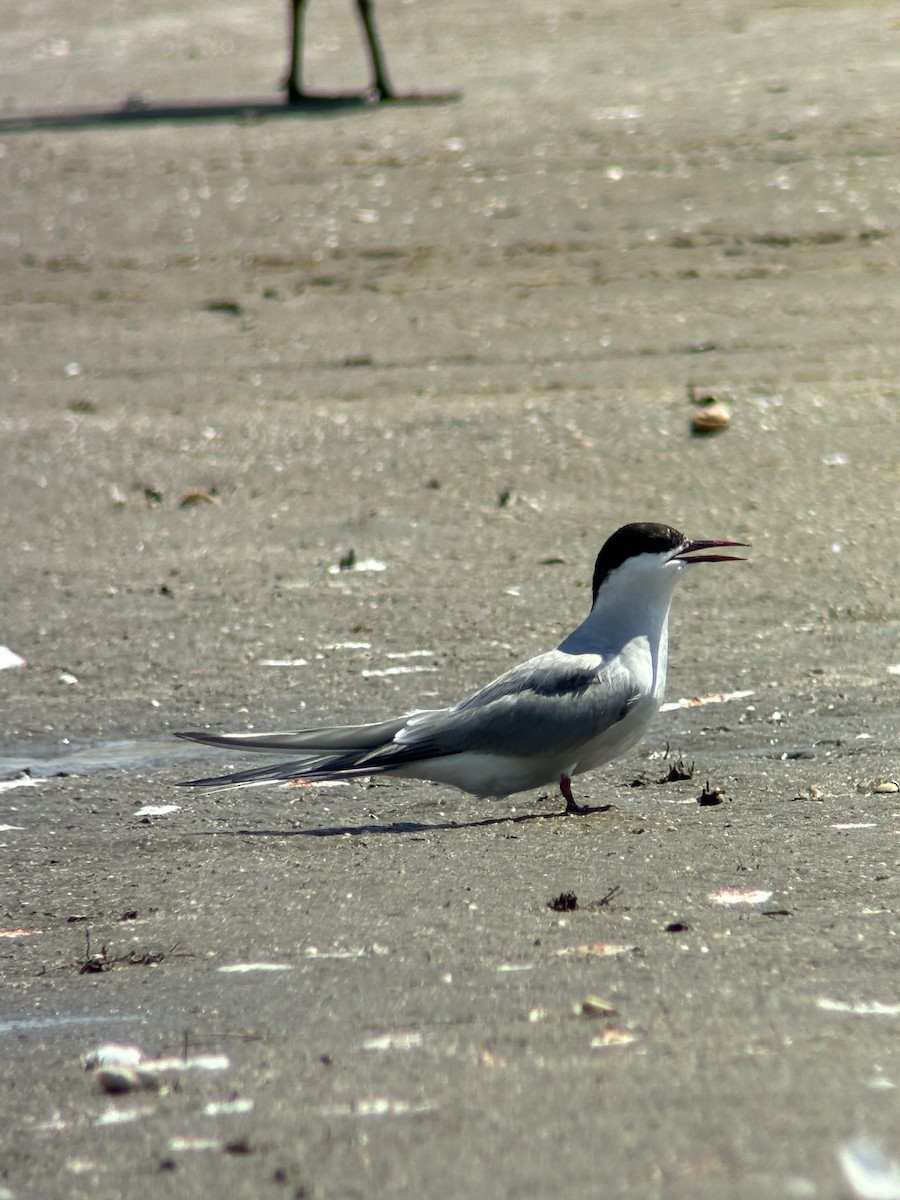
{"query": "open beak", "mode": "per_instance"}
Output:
(695, 552)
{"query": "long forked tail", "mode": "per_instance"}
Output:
(335, 752)
(303, 770)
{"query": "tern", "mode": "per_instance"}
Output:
(541, 723)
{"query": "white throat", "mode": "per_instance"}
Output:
(632, 602)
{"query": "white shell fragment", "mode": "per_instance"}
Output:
(383, 672)
(9, 659)
(379, 1106)
(711, 418)
(227, 1108)
(613, 1036)
(411, 1040)
(113, 1054)
(870, 1174)
(731, 896)
(595, 950)
(354, 952)
(246, 968)
(863, 1008)
(180, 1144)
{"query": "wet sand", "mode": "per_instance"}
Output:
(457, 341)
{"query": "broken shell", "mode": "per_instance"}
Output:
(596, 1006)
(198, 496)
(887, 786)
(113, 1054)
(711, 418)
(595, 950)
(611, 1036)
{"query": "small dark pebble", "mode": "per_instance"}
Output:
(231, 307)
(237, 1146)
(678, 927)
(167, 1164)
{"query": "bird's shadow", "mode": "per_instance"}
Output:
(399, 827)
(135, 110)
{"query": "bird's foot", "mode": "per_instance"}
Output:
(581, 810)
(578, 810)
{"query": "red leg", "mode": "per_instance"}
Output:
(565, 786)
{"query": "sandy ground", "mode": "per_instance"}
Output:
(456, 340)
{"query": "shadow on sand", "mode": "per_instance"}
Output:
(138, 111)
(398, 827)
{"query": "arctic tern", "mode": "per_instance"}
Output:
(555, 716)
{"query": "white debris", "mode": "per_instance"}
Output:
(225, 1108)
(157, 810)
(284, 662)
(121, 1116)
(870, 1174)
(355, 952)
(395, 1041)
(199, 1062)
(378, 1106)
(361, 564)
(21, 780)
(731, 896)
(193, 1143)
(9, 659)
(112, 1054)
(380, 673)
(246, 968)
(872, 1008)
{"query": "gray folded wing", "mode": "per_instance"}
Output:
(547, 706)
(542, 708)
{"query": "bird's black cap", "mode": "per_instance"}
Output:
(642, 537)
